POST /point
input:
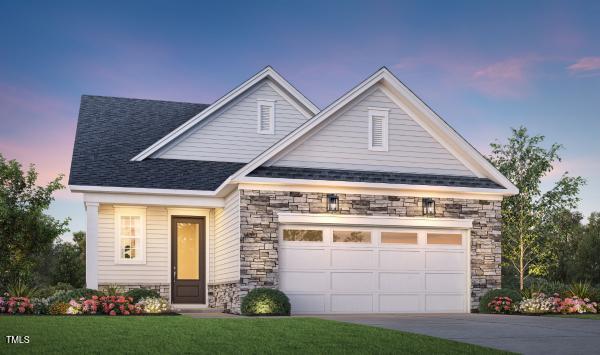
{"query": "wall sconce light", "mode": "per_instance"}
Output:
(333, 203)
(428, 207)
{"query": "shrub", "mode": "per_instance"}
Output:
(119, 305)
(21, 289)
(15, 305)
(491, 295)
(575, 304)
(138, 293)
(266, 302)
(581, 290)
(51, 290)
(76, 294)
(58, 308)
(154, 305)
(40, 305)
(501, 305)
(112, 290)
(539, 304)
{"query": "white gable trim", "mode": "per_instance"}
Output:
(444, 133)
(268, 72)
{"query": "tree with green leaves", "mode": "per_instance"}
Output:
(26, 231)
(529, 216)
(587, 256)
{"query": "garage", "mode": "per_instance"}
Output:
(363, 268)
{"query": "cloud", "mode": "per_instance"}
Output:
(507, 78)
(587, 66)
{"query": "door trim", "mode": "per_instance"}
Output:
(203, 252)
(190, 212)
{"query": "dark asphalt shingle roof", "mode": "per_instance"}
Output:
(111, 131)
(373, 177)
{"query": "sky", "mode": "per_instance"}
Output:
(483, 66)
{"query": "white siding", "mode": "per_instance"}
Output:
(158, 239)
(344, 144)
(227, 244)
(156, 268)
(232, 133)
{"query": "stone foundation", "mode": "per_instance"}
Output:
(225, 295)
(259, 225)
(162, 289)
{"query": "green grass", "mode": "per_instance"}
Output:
(182, 334)
(582, 316)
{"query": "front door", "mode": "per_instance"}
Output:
(188, 260)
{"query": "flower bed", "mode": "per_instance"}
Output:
(93, 304)
(539, 303)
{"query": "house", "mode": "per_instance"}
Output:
(373, 204)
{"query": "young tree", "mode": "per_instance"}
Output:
(526, 216)
(25, 230)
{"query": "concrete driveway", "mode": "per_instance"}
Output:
(520, 334)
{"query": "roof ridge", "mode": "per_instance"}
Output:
(146, 100)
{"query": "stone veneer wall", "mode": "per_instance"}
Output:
(259, 225)
(225, 295)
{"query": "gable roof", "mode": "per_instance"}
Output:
(308, 107)
(411, 104)
(111, 130)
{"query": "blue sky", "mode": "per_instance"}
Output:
(483, 66)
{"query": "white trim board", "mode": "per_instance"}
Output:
(381, 221)
(268, 72)
(414, 106)
(154, 200)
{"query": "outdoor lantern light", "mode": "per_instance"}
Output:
(428, 207)
(333, 202)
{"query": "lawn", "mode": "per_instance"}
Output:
(182, 334)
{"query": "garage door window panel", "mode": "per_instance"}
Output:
(302, 235)
(399, 238)
(348, 236)
(444, 239)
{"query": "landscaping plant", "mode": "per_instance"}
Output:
(491, 295)
(119, 305)
(539, 304)
(266, 302)
(501, 305)
(15, 305)
(58, 308)
(139, 293)
(154, 305)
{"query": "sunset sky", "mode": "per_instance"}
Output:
(483, 66)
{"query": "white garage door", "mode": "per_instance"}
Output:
(380, 270)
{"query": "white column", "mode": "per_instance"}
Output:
(91, 246)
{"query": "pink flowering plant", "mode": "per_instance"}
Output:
(572, 305)
(15, 305)
(119, 305)
(501, 305)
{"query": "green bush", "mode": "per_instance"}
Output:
(514, 295)
(76, 294)
(266, 302)
(48, 291)
(138, 293)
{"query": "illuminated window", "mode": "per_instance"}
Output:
(130, 238)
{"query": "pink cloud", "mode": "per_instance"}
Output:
(586, 66)
(507, 78)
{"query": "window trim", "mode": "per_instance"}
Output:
(123, 211)
(374, 111)
(268, 103)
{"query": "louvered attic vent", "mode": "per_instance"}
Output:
(378, 129)
(266, 117)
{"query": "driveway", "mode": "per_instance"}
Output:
(521, 334)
